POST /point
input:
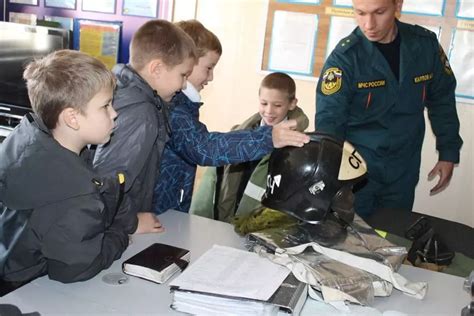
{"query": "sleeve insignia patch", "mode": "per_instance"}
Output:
(444, 61)
(332, 81)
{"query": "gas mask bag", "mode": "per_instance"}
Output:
(314, 181)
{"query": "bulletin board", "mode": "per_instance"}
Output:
(99, 39)
(300, 34)
(130, 14)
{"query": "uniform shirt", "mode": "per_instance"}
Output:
(360, 99)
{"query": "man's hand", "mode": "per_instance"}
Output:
(284, 134)
(148, 223)
(445, 171)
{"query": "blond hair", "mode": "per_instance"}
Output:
(280, 81)
(62, 79)
(160, 39)
(204, 39)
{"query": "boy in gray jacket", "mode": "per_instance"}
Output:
(161, 58)
(53, 217)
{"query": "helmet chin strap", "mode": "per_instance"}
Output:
(327, 232)
(340, 219)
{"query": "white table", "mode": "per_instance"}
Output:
(139, 297)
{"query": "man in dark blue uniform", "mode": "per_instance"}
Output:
(373, 90)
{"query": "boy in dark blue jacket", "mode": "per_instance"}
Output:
(191, 144)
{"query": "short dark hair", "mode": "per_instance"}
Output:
(280, 81)
(160, 39)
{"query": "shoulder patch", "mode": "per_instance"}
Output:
(331, 81)
(346, 43)
(420, 30)
(445, 62)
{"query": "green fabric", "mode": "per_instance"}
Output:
(259, 177)
(203, 198)
(263, 218)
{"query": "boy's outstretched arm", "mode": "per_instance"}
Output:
(284, 134)
(191, 140)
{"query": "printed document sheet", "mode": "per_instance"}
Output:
(232, 272)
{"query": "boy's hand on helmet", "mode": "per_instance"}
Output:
(284, 134)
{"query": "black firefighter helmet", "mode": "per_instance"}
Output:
(311, 181)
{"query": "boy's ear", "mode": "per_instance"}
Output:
(293, 104)
(155, 67)
(68, 117)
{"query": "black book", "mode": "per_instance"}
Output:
(157, 263)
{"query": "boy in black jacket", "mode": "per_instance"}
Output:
(53, 218)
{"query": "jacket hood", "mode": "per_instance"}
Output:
(36, 170)
(132, 88)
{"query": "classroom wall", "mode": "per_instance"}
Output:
(233, 96)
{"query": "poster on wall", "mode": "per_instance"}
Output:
(99, 39)
(465, 9)
(145, 8)
(65, 4)
(461, 58)
(102, 6)
(339, 28)
(30, 2)
(423, 7)
(292, 43)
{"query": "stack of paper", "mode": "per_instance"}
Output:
(228, 281)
